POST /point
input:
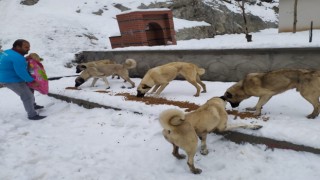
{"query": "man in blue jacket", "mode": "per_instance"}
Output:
(14, 75)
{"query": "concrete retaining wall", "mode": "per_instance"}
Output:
(227, 65)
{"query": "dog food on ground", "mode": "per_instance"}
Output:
(182, 104)
(242, 115)
(185, 104)
(153, 100)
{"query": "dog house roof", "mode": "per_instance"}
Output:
(144, 10)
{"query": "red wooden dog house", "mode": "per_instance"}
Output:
(150, 27)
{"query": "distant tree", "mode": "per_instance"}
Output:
(241, 4)
(295, 16)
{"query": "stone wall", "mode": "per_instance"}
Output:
(227, 65)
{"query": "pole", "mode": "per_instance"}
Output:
(310, 32)
(295, 16)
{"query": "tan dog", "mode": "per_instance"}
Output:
(266, 85)
(83, 66)
(34, 56)
(105, 70)
(160, 76)
(183, 130)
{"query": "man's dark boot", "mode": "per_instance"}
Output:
(36, 117)
(38, 106)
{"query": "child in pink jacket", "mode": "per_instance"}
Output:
(37, 71)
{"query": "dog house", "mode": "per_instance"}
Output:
(151, 27)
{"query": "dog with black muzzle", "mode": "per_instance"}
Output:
(266, 85)
(83, 66)
(160, 76)
(104, 70)
(182, 130)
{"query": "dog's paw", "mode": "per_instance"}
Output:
(257, 113)
(311, 116)
(204, 151)
(196, 171)
(179, 156)
(256, 127)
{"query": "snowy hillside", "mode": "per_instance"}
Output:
(59, 29)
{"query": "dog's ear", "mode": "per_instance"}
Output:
(145, 87)
(78, 70)
(83, 66)
(228, 95)
(223, 98)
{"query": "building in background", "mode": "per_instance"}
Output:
(307, 11)
(150, 27)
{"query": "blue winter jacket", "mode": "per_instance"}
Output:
(13, 67)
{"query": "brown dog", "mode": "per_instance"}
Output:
(266, 85)
(105, 70)
(160, 76)
(183, 130)
(83, 66)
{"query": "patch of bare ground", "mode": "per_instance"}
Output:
(182, 104)
(187, 105)
(102, 91)
(72, 88)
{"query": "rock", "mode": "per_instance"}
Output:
(222, 20)
(198, 32)
(121, 7)
(99, 12)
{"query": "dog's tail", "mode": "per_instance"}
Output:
(130, 64)
(201, 71)
(171, 118)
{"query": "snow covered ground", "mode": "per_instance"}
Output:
(78, 143)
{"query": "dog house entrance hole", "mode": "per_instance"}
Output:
(155, 34)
